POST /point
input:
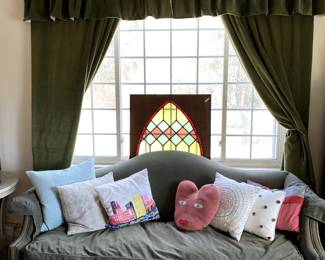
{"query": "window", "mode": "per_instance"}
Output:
(177, 56)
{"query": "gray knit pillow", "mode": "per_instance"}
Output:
(81, 207)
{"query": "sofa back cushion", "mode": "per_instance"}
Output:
(167, 169)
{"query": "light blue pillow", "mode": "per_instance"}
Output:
(45, 183)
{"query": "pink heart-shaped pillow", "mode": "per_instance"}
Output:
(195, 208)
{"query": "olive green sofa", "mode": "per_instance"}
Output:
(161, 239)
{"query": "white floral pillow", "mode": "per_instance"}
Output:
(81, 207)
(237, 200)
(264, 214)
(128, 201)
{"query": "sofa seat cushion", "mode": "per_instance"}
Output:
(157, 241)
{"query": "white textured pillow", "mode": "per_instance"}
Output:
(264, 214)
(81, 207)
(237, 200)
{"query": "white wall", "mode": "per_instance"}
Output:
(15, 90)
(15, 93)
(317, 104)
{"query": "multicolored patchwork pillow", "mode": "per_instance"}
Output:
(289, 215)
(128, 201)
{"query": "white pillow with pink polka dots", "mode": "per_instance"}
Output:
(264, 214)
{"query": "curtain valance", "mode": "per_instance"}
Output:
(47, 10)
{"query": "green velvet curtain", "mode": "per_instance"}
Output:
(277, 54)
(276, 51)
(65, 58)
(46, 10)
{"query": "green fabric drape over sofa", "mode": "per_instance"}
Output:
(65, 58)
(277, 54)
(45, 10)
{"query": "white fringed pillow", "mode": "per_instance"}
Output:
(264, 214)
(81, 206)
(237, 200)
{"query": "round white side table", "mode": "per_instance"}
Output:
(8, 185)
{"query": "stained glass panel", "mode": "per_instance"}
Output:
(169, 129)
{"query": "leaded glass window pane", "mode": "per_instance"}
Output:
(169, 129)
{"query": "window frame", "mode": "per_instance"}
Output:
(250, 163)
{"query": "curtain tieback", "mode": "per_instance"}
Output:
(295, 131)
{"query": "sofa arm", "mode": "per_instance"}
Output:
(27, 204)
(309, 240)
(311, 217)
(314, 206)
(16, 249)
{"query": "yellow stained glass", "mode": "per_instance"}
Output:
(143, 147)
(158, 117)
(182, 146)
(169, 146)
(181, 118)
(173, 114)
(195, 147)
(176, 132)
(167, 116)
(169, 113)
(156, 146)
